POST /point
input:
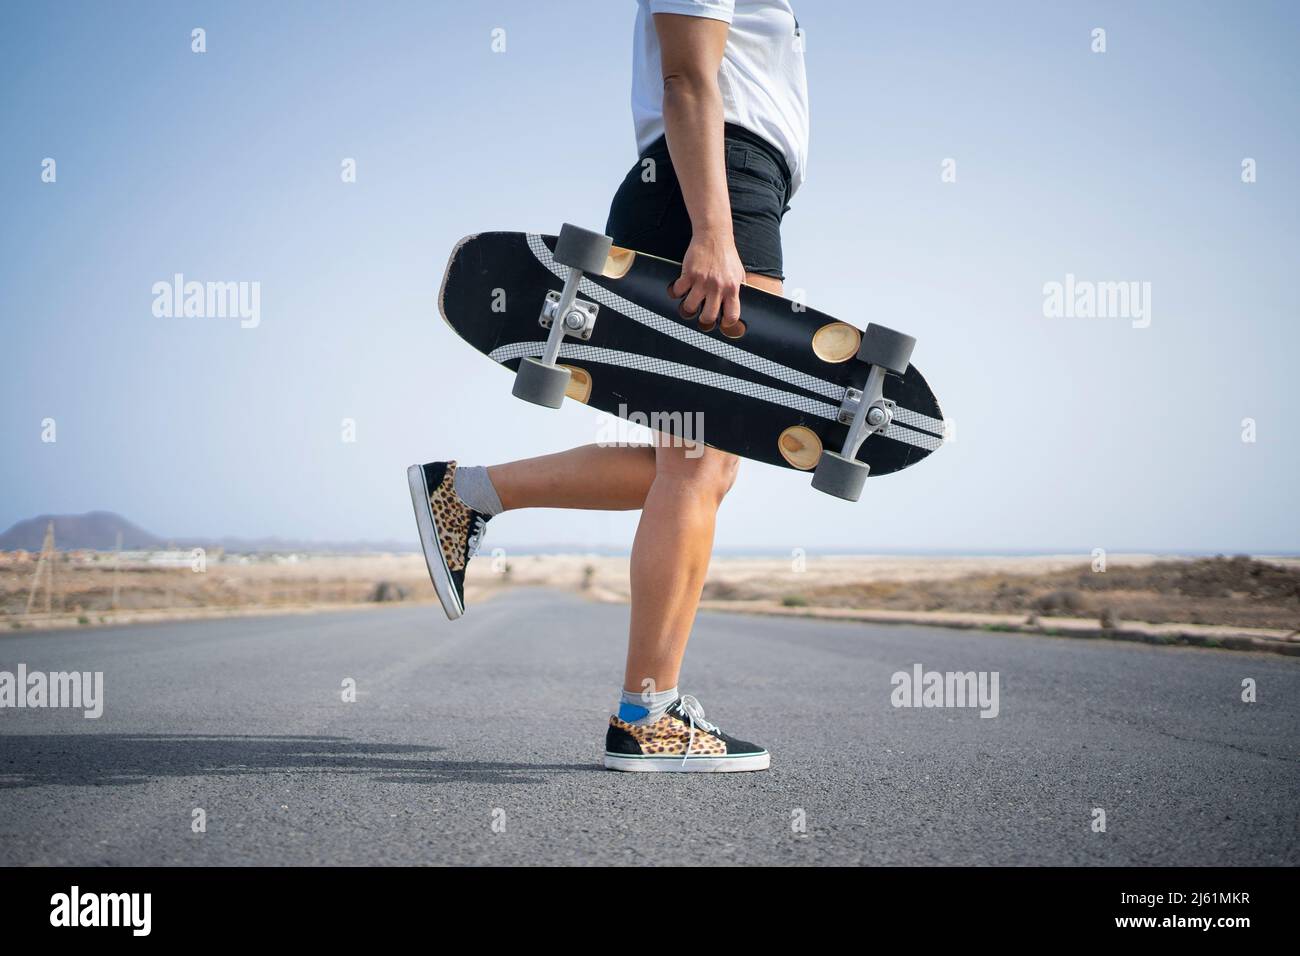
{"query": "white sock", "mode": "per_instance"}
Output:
(474, 487)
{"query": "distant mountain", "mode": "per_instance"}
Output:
(96, 530)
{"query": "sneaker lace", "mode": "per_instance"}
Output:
(691, 707)
(475, 537)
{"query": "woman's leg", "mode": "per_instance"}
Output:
(590, 477)
(679, 490)
(670, 555)
(670, 558)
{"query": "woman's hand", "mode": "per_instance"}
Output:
(709, 285)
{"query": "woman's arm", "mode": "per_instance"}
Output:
(691, 52)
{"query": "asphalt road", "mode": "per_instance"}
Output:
(478, 742)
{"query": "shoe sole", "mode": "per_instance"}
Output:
(657, 764)
(434, 559)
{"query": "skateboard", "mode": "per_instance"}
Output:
(577, 317)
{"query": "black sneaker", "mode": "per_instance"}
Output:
(681, 741)
(450, 530)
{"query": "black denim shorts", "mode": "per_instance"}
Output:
(649, 214)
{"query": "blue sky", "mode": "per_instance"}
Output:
(1070, 433)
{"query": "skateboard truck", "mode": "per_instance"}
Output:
(867, 412)
(579, 321)
(540, 380)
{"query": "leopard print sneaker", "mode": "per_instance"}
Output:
(450, 531)
(681, 741)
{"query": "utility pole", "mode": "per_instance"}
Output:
(117, 571)
(44, 564)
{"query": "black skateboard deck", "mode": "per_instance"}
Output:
(774, 394)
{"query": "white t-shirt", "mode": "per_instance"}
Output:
(764, 88)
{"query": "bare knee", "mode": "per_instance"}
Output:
(709, 474)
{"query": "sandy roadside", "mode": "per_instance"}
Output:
(1050, 595)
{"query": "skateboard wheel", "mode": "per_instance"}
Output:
(836, 342)
(886, 348)
(582, 249)
(840, 476)
(540, 384)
